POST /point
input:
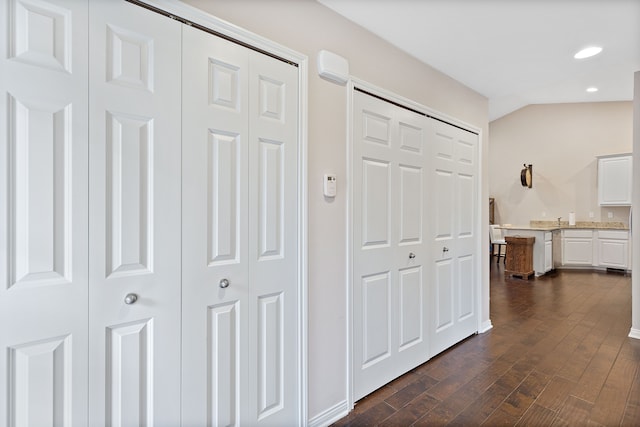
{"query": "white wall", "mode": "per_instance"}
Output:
(561, 141)
(307, 26)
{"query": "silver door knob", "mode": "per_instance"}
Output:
(224, 283)
(445, 249)
(412, 255)
(130, 299)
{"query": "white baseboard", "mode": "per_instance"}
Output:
(486, 326)
(634, 333)
(330, 416)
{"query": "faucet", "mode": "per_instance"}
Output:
(559, 218)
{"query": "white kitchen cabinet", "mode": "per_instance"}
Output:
(577, 247)
(548, 253)
(613, 248)
(615, 180)
(599, 249)
(543, 261)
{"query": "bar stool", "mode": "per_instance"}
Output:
(496, 239)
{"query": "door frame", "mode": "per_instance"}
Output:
(176, 8)
(482, 297)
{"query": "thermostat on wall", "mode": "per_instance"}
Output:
(329, 185)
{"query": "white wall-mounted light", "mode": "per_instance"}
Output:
(592, 89)
(333, 67)
(588, 52)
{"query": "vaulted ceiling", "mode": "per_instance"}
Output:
(514, 52)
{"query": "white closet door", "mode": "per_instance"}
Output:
(390, 310)
(134, 376)
(43, 213)
(455, 236)
(214, 231)
(273, 333)
(240, 324)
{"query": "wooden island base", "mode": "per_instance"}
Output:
(525, 276)
(519, 257)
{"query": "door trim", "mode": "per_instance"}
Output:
(273, 49)
(357, 88)
(400, 101)
(145, 5)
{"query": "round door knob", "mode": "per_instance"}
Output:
(445, 249)
(224, 283)
(412, 255)
(130, 299)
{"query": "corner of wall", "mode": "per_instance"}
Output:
(635, 243)
(486, 326)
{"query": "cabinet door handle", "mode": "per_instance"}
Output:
(412, 255)
(224, 283)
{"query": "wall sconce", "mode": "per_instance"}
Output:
(526, 176)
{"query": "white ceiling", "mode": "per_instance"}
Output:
(514, 52)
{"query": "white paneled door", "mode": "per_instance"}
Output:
(139, 287)
(43, 213)
(134, 206)
(240, 227)
(415, 241)
(390, 203)
(454, 240)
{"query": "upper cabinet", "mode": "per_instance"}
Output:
(614, 180)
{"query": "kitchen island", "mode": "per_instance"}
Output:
(587, 244)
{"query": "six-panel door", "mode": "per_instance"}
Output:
(43, 213)
(454, 236)
(126, 283)
(415, 239)
(390, 292)
(240, 276)
(134, 207)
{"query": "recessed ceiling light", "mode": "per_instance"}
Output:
(588, 52)
(592, 89)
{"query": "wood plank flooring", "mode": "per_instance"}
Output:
(558, 354)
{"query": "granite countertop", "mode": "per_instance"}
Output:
(538, 225)
(530, 227)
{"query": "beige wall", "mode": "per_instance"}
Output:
(561, 141)
(307, 26)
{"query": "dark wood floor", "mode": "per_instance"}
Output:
(558, 354)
